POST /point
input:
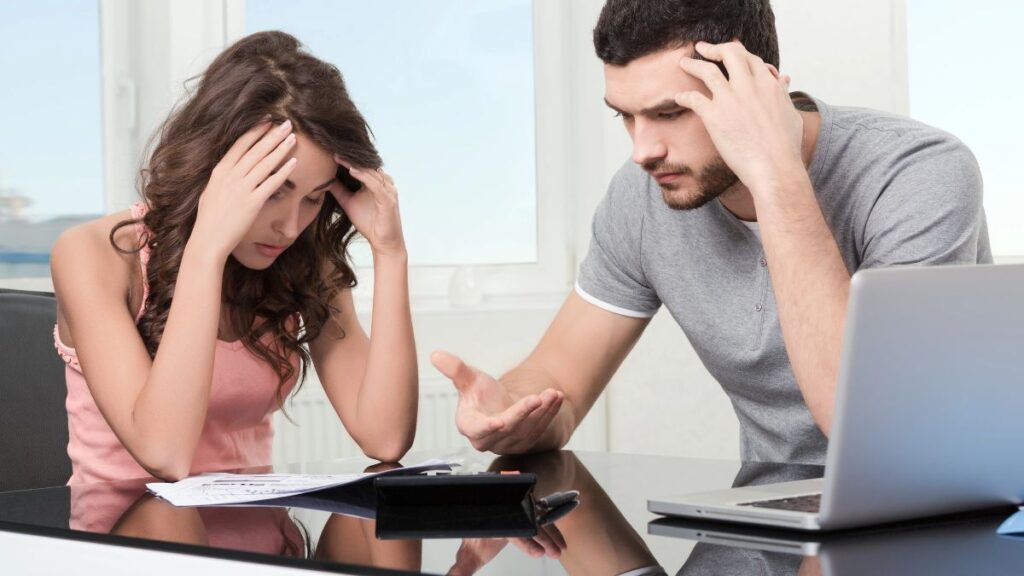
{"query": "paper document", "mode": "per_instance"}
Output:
(221, 489)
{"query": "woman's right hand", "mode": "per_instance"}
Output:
(239, 185)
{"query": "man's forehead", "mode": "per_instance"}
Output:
(648, 81)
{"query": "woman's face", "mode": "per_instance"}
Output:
(291, 208)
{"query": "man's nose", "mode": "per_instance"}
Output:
(648, 145)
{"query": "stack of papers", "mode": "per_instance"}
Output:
(340, 493)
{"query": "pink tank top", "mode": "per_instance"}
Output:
(238, 432)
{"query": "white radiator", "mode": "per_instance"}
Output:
(317, 433)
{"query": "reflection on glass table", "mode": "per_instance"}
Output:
(610, 531)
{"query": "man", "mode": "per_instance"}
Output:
(744, 212)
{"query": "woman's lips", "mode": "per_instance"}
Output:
(270, 250)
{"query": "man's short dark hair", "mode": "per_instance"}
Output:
(631, 29)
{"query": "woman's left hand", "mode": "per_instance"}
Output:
(373, 209)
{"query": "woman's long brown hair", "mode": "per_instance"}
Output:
(264, 73)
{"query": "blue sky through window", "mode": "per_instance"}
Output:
(52, 149)
(51, 152)
(447, 87)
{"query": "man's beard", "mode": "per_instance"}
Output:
(713, 180)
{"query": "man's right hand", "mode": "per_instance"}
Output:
(490, 416)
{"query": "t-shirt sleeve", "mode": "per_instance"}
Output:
(611, 275)
(930, 212)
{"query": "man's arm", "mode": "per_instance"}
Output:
(537, 405)
(756, 129)
(812, 286)
(758, 132)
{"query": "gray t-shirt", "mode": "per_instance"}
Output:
(892, 190)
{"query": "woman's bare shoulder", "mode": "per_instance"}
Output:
(86, 249)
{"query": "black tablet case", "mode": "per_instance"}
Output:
(449, 506)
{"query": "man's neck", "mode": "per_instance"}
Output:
(738, 199)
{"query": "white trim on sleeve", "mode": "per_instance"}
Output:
(646, 571)
(610, 307)
(753, 227)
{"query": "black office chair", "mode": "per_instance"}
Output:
(33, 419)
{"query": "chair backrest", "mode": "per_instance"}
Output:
(33, 418)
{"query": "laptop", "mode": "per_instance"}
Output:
(929, 416)
(964, 546)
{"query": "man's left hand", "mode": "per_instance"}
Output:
(749, 116)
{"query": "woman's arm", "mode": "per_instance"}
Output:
(153, 519)
(157, 408)
(373, 382)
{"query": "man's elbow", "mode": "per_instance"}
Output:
(823, 418)
(826, 429)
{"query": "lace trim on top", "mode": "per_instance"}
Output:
(66, 353)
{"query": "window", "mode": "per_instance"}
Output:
(468, 101)
(470, 120)
(51, 155)
(962, 74)
(447, 87)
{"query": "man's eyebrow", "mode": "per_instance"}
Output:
(291, 185)
(664, 106)
(612, 106)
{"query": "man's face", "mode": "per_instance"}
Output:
(669, 141)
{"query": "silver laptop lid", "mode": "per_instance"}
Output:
(930, 401)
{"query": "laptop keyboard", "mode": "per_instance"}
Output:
(809, 503)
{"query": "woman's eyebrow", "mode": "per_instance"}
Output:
(291, 184)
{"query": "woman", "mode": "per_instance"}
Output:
(183, 320)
